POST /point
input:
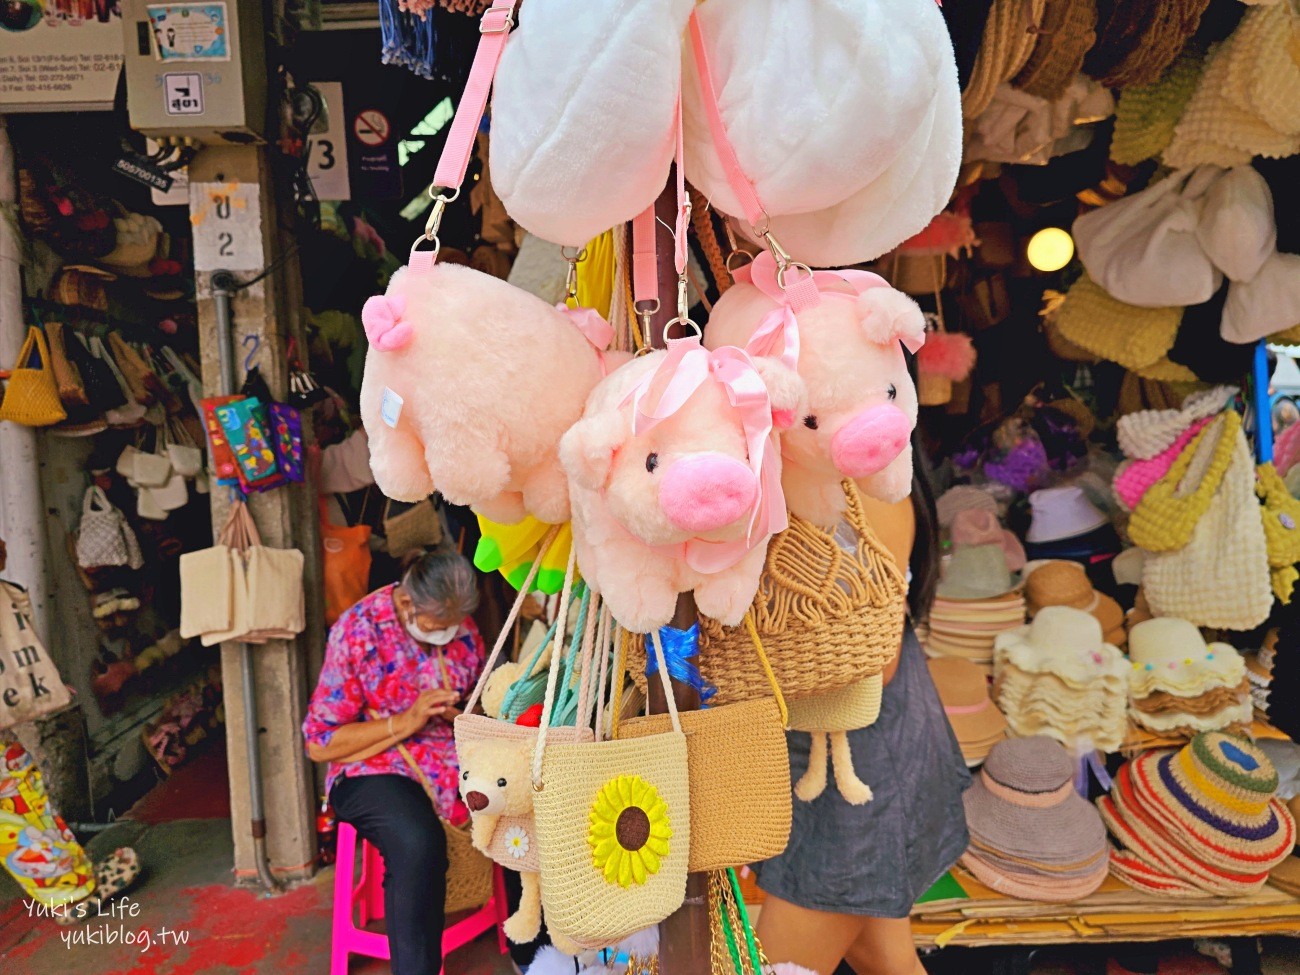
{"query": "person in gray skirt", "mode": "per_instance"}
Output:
(843, 888)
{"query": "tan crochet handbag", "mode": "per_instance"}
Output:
(739, 777)
(829, 610)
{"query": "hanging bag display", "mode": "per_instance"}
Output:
(419, 526)
(613, 827)
(130, 413)
(207, 591)
(346, 562)
(31, 396)
(72, 391)
(184, 454)
(739, 776)
(134, 370)
(152, 469)
(104, 539)
(30, 685)
(102, 390)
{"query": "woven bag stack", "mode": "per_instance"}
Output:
(1057, 677)
(1179, 684)
(1032, 836)
(1198, 822)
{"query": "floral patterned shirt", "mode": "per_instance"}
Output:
(373, 664)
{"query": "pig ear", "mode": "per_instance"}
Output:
(888, 315)
(786, 390)
(587, 448)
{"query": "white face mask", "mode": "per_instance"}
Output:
(439, 638)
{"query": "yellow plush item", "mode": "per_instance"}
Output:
(1166, 517)
(1134, 337)
(494, 691)
(1281, 514)
(1146, 115)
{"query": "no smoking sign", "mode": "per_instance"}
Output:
(371, 127)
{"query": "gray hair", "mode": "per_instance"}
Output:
(442, 582)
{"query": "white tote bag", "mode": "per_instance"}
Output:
(185, 456)
(1144, 250)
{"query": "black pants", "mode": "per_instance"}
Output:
(392, 813)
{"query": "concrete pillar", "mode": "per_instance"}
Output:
(286, 518)
(22, 521)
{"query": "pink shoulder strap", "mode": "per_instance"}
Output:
(645, 266)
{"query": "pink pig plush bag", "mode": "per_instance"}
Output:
(470, 382)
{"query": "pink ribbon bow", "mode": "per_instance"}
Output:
(777, 334)
(591, 324)
(686, 367)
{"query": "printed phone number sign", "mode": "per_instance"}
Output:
(227, 222)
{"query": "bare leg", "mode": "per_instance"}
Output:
(817, 940)
(884, 947)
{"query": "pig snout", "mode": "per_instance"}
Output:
(706, 492)
(870, 441)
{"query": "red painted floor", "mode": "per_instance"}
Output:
(198, 790)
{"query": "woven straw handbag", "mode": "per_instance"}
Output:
(418, 527)
(739, 779)
(829, 610)
(1221, 577)
(613, 827)
(31, 396)
(1169, 512)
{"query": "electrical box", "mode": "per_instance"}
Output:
(196, 70)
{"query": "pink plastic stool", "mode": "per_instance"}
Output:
(367, 897)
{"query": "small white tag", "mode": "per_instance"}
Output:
(390, 408)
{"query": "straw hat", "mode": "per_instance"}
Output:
(1009, 38)
(981, 527)
(960, 498)
(1061, 583)
(1062, 512)
(974, 718)
(977, 572)
(1066, 33)
(1107, 327)
(1169, 654)
(1146, 115)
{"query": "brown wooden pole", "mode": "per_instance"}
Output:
(684, 936)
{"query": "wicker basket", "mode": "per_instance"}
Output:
(469, 872)
(933, 389)
(829, 615)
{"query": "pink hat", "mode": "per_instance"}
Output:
(976, 526)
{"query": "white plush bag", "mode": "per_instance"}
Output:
(1266, 304)
(1237, 230)
(1144, 249)
(582, 113)
(845, 116)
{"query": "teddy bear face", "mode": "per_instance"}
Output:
(495, 779)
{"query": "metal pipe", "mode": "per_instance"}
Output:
(224, 286)
(22, 517)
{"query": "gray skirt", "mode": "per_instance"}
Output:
(878, 858)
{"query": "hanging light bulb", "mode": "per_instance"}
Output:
(1050, 249)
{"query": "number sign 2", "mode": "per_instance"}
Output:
(227, 223)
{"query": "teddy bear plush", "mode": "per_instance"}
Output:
(498, 683)
(496, 785)
(845, 331)
(674, 474)
(469, 383)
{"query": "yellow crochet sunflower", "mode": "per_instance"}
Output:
(629, 832)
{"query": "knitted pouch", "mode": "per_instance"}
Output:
(1169, 512)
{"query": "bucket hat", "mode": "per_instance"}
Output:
(1062, 512)
(964, 691)
(1169, 654)
(958, 499)
(981, 527)
(977, 572)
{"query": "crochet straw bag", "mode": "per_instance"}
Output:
(843, 709)
(828, 614)
(1169, 512)
(31, 397)
(739, 778)
(1228, 544)
(1281, 514)
(613, 827)
(417, 527)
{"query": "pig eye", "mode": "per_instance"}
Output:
(465, 775)
(892, 392)
(651, 462)
(501, 783)
(810, 422)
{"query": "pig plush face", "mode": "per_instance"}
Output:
(676, 505)
(862, 403)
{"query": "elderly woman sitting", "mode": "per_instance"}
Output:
(396, 666)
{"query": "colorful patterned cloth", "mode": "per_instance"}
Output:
(373, 664)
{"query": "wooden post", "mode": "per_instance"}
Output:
(684, 936)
